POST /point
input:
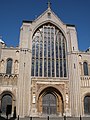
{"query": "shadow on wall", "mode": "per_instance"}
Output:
(2, 118)
(7, 113)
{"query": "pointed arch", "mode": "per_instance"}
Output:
(49, 52)
(51, 22)
(50, 101)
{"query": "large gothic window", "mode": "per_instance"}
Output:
(9, 66)
(49, 104)
(87, 105)
(49, 57)
(85, 67)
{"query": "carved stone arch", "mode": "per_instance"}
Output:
(47, 86)
(5, 96)
(9, 58)
(2, 60)
(15, 61)
(85, 61)
(7, 92)
(48, 21)
(85, 94)
(54, 93)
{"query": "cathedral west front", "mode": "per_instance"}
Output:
(46, 74)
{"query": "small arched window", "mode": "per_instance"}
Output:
(85, 67)
(9, 66)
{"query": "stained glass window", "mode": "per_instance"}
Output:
(49, 58)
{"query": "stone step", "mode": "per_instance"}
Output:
(85, 118)
(56, 118)
(50, 118)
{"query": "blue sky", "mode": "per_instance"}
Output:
(13, 12)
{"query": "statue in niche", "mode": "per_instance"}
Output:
(16, 67)
(2, 66)
(67, 98)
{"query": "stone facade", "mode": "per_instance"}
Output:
(64, 92)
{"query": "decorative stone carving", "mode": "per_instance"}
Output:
(8, 79)
(16, 67)
(2, 66)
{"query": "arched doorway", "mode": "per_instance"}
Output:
(50, 102)
(87, 104)
(6, 101)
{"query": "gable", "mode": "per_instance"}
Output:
(48, 16)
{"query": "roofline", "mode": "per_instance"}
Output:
(70, 25)
(27, 21)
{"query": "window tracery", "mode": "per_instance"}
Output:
(49, 58)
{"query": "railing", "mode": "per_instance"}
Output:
(53, 118)
(8, 79)
(85, 81)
